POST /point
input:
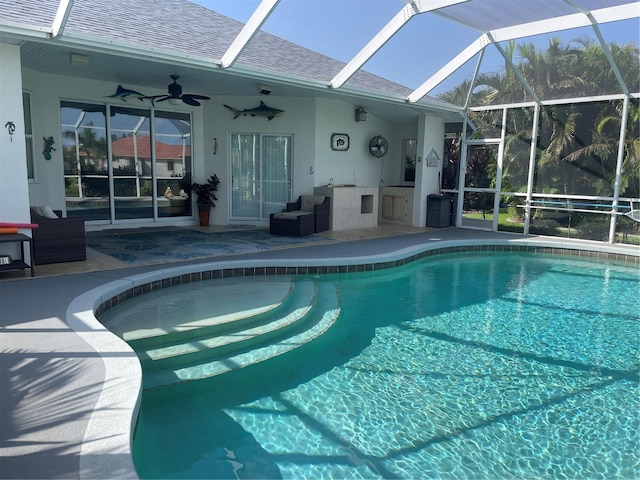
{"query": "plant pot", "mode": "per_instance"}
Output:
(203, 215)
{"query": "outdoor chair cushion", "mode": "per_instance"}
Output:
(309, 214)
(291, 215)
(307, 202)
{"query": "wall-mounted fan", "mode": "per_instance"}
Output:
(176, 96)
(378, 146)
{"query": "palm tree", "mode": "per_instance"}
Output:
(577, 144)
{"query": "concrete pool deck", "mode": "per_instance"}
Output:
(70, 388)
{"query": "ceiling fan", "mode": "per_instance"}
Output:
(175, 95)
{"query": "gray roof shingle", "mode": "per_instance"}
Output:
(190, 29)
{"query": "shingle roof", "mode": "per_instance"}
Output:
(190, 30)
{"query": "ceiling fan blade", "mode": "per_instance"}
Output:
(196, 97)
(190, 101)
(160, 98)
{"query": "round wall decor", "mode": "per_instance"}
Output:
(378, 146)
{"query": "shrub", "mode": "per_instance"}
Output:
(544, 226)
(593, 231)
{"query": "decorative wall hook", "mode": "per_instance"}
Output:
(48, 147)
(11, 128)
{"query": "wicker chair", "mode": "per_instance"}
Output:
(309, 214)
(58, 240)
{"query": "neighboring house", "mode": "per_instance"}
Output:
(69, 69)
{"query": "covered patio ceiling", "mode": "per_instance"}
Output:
(494, 23)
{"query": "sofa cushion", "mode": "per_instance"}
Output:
(308, 201)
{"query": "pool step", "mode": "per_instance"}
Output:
(189, 347)
(188, 309)
(193, 336)
(309, 311)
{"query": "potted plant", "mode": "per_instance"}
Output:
(205, 196)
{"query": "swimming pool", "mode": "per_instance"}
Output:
(466, 366)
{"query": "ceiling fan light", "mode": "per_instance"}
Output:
(175, 101)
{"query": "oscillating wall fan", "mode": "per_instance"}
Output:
(175, 95)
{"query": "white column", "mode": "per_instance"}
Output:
(14, 185)
(430, 139)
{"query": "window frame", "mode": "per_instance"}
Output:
(28, 137)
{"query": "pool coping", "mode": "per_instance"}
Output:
(112, 423)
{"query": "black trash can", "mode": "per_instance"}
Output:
(439, 210)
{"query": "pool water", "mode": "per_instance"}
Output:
(465, 366)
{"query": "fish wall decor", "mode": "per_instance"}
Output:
(261, 111)
(124, 93)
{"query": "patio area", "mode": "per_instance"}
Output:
(64, 413)
(97, 261)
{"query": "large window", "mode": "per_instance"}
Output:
(136, 165)
(260, 175)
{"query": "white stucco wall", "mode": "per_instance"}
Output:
(430, 137)
(14, 189)
(356, 165)
(298, 120)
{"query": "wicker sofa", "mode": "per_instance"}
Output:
(58, 240)
(309, 214)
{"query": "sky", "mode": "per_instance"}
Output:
(341, 28)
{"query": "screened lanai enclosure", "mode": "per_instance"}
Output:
(567, 169)
(547, 147)
(540, 101)
(550, 143)
(549, 90)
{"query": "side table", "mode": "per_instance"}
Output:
(25, 242)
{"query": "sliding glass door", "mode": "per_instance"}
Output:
(125, 163)
(260, 175)
(86, 161)
(131, 163)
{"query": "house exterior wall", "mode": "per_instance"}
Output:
(430, 137)
(310, 121)
(14, 190)
(355, 165)
(298, 120)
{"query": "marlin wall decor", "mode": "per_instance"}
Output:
(124, 93)
(261, 111)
